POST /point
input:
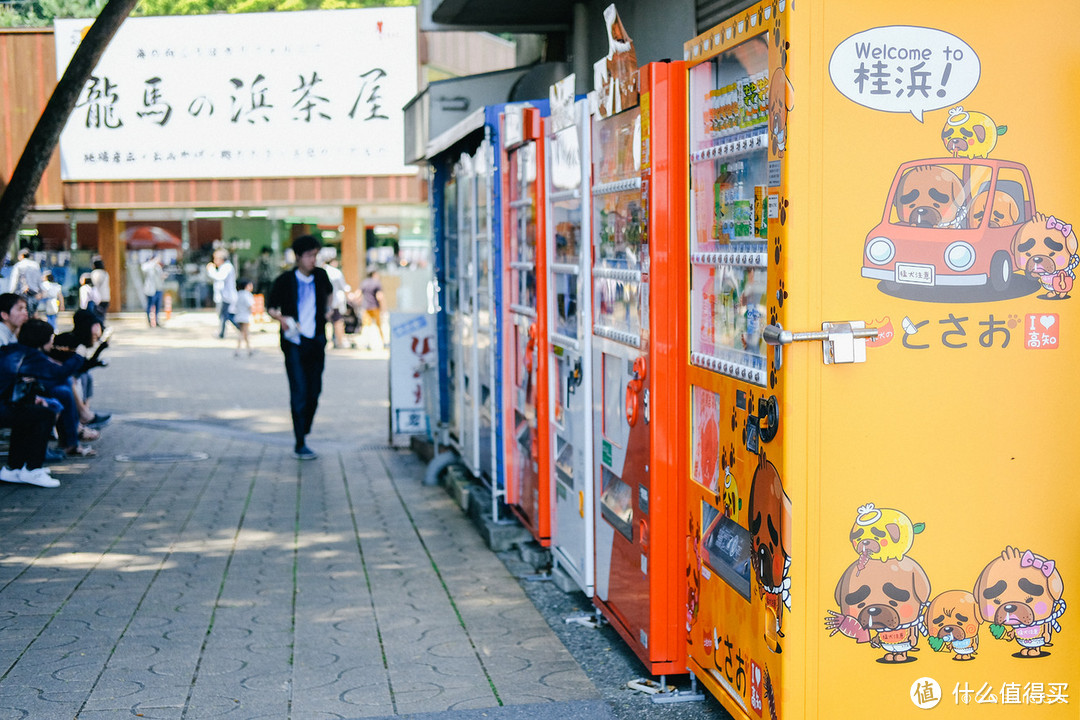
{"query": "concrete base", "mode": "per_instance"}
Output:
(499, 536)
(459, 484)
(535, 554)
(563, 581)
(422, 447)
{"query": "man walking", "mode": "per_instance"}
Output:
(300, 302)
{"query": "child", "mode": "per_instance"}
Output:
(53, 295)
(241, 312)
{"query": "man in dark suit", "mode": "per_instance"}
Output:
(300, 302)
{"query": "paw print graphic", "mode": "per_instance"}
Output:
(774, 317)
(781, 294)
(783, 211)
(778, 247)
(734, 419)
(1013, 322)
(772, 377)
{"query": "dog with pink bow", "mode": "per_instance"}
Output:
(1020, 594)
(1045, 248)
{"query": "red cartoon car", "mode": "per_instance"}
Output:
(949, 222)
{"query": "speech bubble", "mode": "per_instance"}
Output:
(904, 69)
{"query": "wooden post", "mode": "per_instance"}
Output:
(353, 247)
(112, 254)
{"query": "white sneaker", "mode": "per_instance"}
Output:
(39, 477)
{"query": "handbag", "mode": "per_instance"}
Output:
(24, 390)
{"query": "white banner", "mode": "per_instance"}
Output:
(412, 348)
(285, 94)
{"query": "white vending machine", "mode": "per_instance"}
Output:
(569, 309)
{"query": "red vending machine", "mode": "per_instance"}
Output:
(638, 277)
(525, 359)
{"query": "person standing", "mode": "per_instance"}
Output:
(300, 300)
(26, 280)
(100, 277)
(53, 296)
(338, 303)
(222, 272)
(371, 301)
(153, 289)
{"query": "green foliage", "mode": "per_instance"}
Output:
(41, 13)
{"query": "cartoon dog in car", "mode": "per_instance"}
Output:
(931, 196)
(770, 528)
(1020, 594)
(1046, 249)
(952, 624)
(882, 604)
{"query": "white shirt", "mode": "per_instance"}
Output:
(305, 303)
(224, 277)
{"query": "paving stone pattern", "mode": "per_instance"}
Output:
(251, 585)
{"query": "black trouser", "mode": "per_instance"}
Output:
(31, 427)
(304, 366)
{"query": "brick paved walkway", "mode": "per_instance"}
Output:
(249, 585)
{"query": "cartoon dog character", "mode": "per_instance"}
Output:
(882, 604)
(770, 529)
(931, 196)
(1020, 594)
(1046, 248)
(882, 534)
(970, 134)
(952, 623)
(1003, 212)
(781, 102)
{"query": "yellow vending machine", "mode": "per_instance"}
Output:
(881, 480)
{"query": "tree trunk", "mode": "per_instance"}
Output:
(19, 193)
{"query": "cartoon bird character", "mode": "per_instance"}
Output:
(970, 134)
(1047, 249)
(882, 534)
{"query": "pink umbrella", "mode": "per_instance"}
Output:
(149, 237)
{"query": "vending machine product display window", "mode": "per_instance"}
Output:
(729, 210)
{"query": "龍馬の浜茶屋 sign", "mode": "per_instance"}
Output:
(249, 95)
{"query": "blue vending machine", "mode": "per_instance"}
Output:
(466, 224)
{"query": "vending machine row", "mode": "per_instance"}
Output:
(778, 342)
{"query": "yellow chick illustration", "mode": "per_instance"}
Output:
(970, 134)
(882, 534)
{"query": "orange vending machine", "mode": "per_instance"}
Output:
(881, 487)
(638, 277)
(525, 359)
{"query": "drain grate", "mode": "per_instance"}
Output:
(373, 448)
(163, 457)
